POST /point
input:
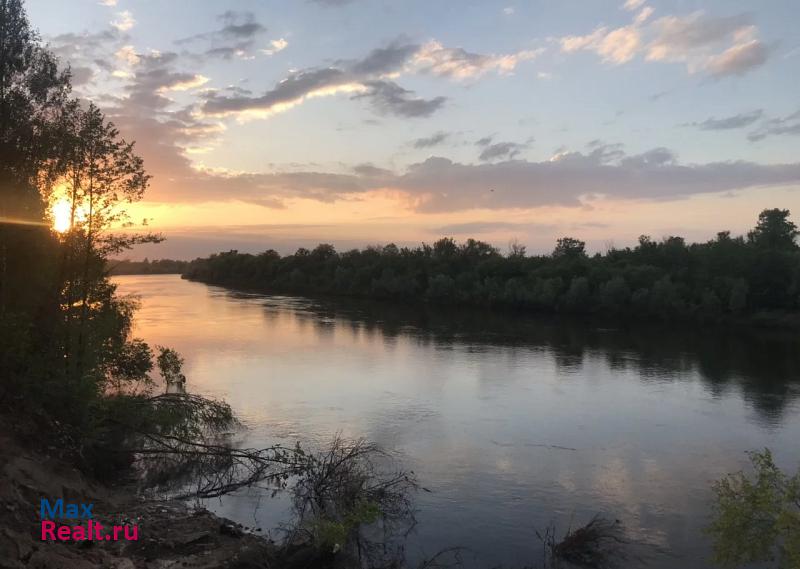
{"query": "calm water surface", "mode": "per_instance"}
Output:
(511, 422)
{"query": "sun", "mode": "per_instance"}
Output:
(61, 213)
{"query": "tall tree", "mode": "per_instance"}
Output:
(101, 174)
(774, 231)
(32, 93)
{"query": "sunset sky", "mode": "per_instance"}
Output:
(270, 124)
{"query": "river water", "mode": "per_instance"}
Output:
(512, 422)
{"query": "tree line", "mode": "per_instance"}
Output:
(146, 267)
(755, 275)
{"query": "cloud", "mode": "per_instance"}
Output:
(677, 38)
(185, 82)
(736, 121)
(275, 46)
(127, 54)
(167, 131)
(85, 47)
(370, 171)
(509, 10)
(291, 91)
(154, 77)
(474, 227)
(442, 185)
(235, 38)
(632, 5)
(124, 21)
(391, 99)
(779, 126)
(371, 77)
(613, 46)
(643, 15)
(165, 136)
(384, 60)
(434, 185)
(193, 242)
(331, 3)
(433, 140)
(367, 78)
(109, 3)
(739, 59)
(458, 63)
(81, 75)
(506, 150)
(235, 25)
(696, 40)
(716, 46)
(87, 54)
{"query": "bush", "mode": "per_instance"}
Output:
(757, 518)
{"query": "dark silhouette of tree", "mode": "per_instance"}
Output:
(774, 231)
(569, 247)
(69, 368)
(32, 93)
(725, 278)
(146, 267)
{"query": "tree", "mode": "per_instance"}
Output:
(774, 231)
(94, 400)
(170, 364)
(738, 299)
(516, 250)
(568, 247)
(614, 294)
(668, 279)
(32, 92)
(445, 248)
(442, 288)
(775, 270)
(101, 173)
(757, 519)
(475, 249)
(577, 297)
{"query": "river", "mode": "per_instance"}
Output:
(512, 422)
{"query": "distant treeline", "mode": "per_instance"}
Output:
(146, 267)
(725, 278)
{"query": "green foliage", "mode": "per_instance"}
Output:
(723, 279)
(132, 365)
(774, 231)
(578, 296)
(341, 493)
(757, 518)
(170, 364)
(614, 294)
(738, 298)
(67, 357)
(333, 535)
(569, 247)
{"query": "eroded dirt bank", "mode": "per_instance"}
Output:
(169, 533)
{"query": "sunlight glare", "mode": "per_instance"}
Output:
(61, 214)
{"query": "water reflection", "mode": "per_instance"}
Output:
(512, 422)
(763, 365)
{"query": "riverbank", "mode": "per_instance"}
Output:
(170, 534)
(778, 321)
